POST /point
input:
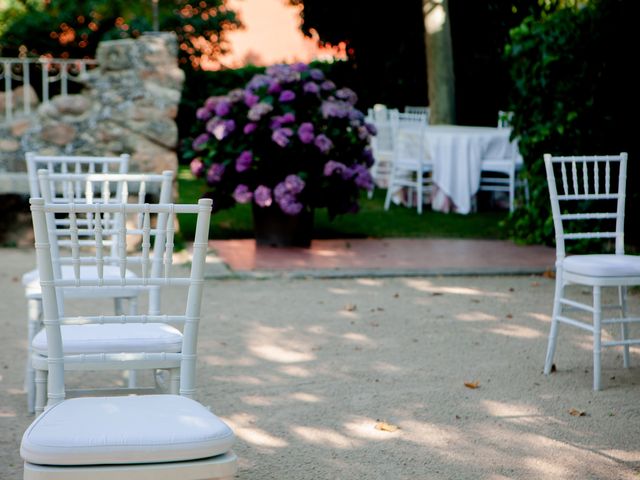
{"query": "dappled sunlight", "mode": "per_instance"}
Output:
(476, 317)
(228, 361)
(541, 317)
(623, 455)
(305, 397)
(324, 437)
(428, 287)
(364, 428)
(359, 339)
(369, 282)
(325, 253)
(514, 412)
(348, 314)
(279, 345)
(243, 425)
(7, 413)
(340, 291)
(257, 400)
(239, 379)
(517, 331)
(384, 367)
(295, 371)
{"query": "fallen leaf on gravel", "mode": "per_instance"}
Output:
(396, 295)
(509, 315)
(386, 427)
(436, 294)
(350, 307)
(535, 284)
(577, 413)
(472, 385)
(549, 274)
(511, 289)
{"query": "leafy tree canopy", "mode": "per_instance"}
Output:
(63, 28)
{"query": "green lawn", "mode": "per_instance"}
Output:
(371, 221)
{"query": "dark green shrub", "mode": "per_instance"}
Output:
(574, 94)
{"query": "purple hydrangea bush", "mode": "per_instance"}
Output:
(289, 138)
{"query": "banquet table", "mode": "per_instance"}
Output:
(456, 153)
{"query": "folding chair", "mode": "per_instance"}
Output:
(133, 437)
(584, 190)
(61, 188)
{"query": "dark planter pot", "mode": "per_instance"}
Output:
(274, 228)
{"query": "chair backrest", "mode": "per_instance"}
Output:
(72, 164)
(584, 189)
(409, 136)
(426, 111)
(504, 119)
(161, 236)
(384, 121)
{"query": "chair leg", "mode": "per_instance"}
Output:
(597, 336)
(512, 192)
(624, 327)
(174, 381)
(390, 191)
(34, 322)
(41, 391)
(419, 194)
(553, 333)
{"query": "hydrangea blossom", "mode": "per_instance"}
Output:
(290, 139)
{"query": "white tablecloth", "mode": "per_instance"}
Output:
(456, 153)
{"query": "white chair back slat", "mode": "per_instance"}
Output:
(569, 222)
(50, 283)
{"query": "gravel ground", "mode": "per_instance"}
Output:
(304, 370)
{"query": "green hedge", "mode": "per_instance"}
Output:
(574, 94)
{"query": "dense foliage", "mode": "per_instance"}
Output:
(73, 29)
(574, 93)
(289, 138)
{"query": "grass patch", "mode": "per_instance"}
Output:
(371, 221)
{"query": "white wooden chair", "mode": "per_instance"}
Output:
(78, 189)
(503, 175)
(410, 167)
(600, 183)
(382, 144)
(426, 111)
(132, 437)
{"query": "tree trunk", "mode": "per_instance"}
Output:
(439, 61)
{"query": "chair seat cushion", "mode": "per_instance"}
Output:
(114, 338)
(603, 265)
(125, 430)
(31, 283)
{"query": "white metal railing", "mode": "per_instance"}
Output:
(15, 72)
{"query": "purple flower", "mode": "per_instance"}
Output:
(305, 132)
(335, 108)
(294, 184)
(316, 74)
(199, 141)
(363, 177)
(242, 194)
(367, 155)
(328, 85)
(235, 95)
(332, 167)
(323, 143)
(243, 162)
(258, 81)
(311, 87)
(347, 95)
(220, 128)
(223, 108)
(363, 133)
(249, 128)
(281, 136)
(250, 99)
(290, 206)
(371, 128)
(287, 96)
(197, 167)
(300, 67)
(258, 110)
(203, 114)
(262, 196)
(274, 87)
(215, 172)
(288, 117)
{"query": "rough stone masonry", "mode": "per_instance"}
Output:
(128, 105)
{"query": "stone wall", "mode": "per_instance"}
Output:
(128, 105)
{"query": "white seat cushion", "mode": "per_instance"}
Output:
(114, 338)
(31, 283)
(121, 430)
(603, 265)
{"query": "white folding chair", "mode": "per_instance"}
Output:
(382, 144)
(132, 437)
(78, 189)
(410, 167)
(584, 190)
(426, 111)
(503, 175)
